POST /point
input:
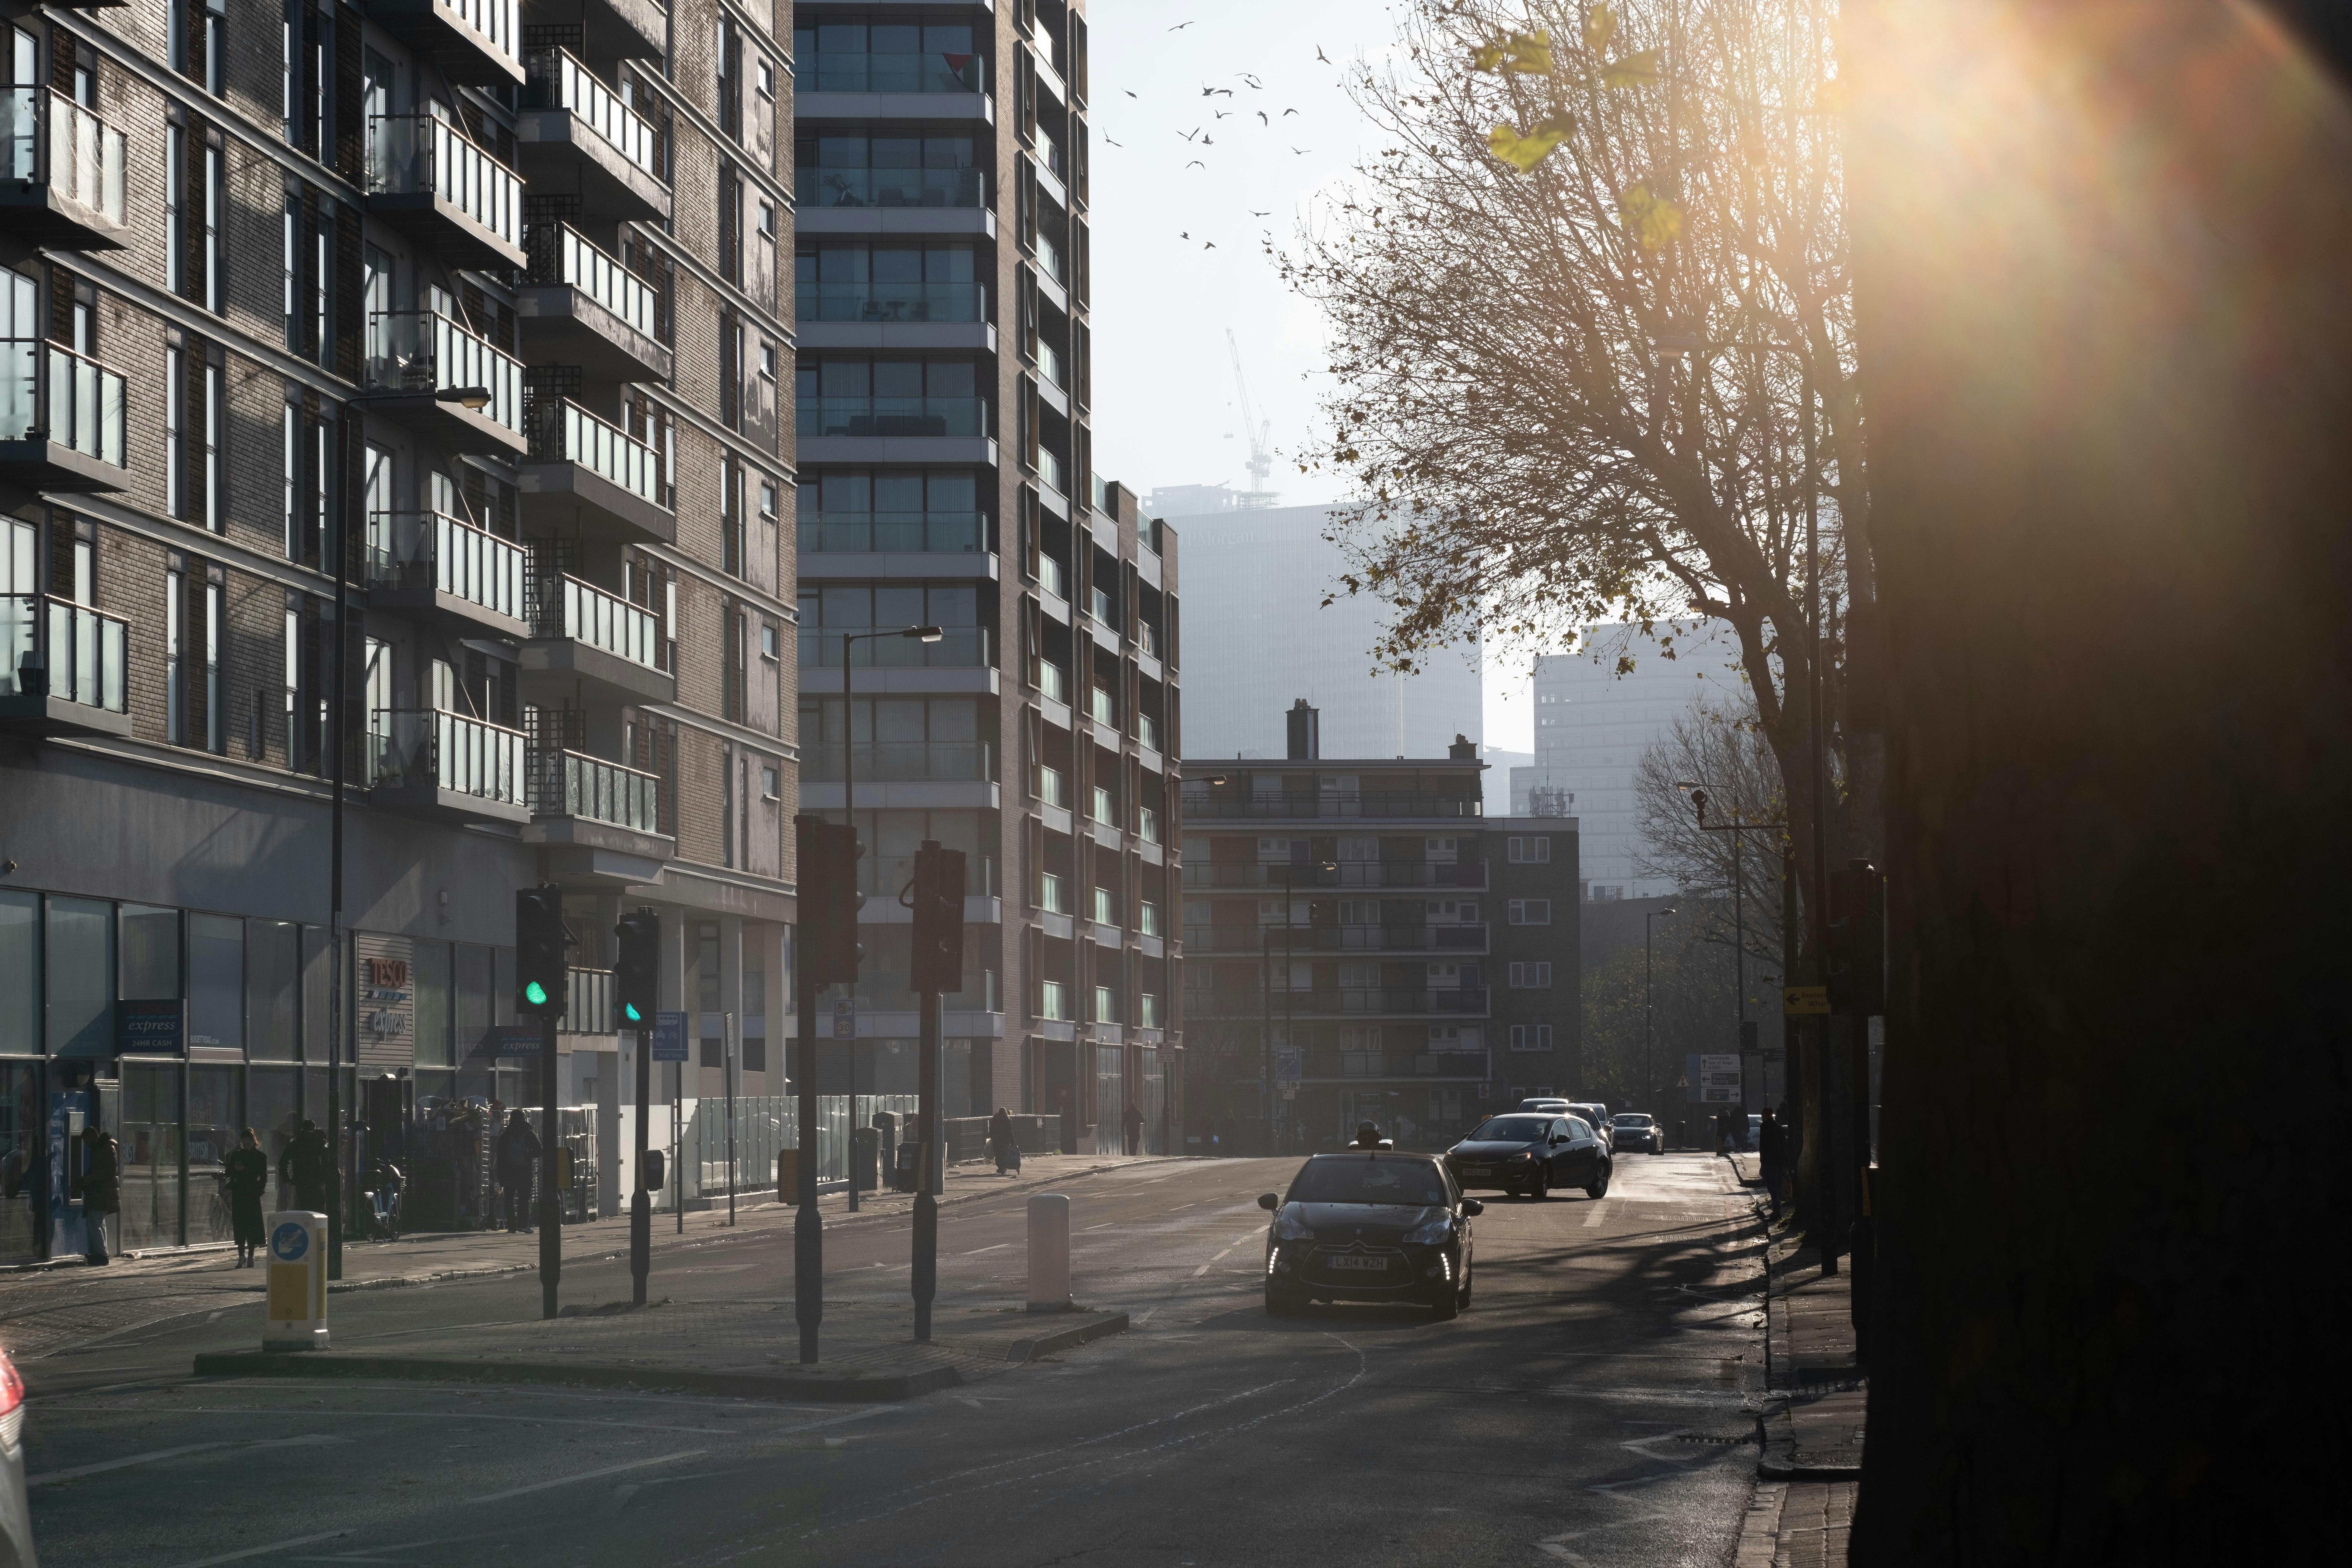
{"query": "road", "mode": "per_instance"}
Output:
(1588, 1408)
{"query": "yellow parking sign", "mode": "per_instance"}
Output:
(1804, 1001)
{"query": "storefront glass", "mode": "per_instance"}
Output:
(269, 1111)
(215, 981)
(151, 953)
(150, 1140)
(79, 961)
(20, 974)
(215, 1117)
(272, 971)
(24, 1161)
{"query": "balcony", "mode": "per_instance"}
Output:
(1460, 937)
(60, 173)
(816, 187)
(612, 29)
(429, 563)
(589, 647)
(575, 137)
(901, 761)
(434, 762)
(474, 41)
(580, 306)
(587, 475)
(62, 669)
(885, 416)
(425, 179)
(1345, 874)
(917, 316)
(1342, 1002)
(890, 73)
(61, 420)
(606, 818)
(1200, 806)
(894, 532)
(957, 647)
(414, 355)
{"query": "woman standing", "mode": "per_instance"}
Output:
(248, 1169)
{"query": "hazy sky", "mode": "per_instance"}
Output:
(1165, 408)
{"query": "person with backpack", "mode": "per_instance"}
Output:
(99, 1188)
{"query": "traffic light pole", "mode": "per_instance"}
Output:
(808, 1234)
(641, 1205)
(550, 1204)
(927, 1207)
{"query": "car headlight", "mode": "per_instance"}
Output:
(1288, 1228)
(1432, 1232)
(1522, 1154)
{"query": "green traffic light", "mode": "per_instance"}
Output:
(535, 994)
(630, 1008)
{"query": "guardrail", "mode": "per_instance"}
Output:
(957, 647)
(555, 78)
(892, 72)
(55, 647)
(1466, 874)
(48, 138)
(420, 746)
(418, 154)
(560, 254)
(423, 352)
(568, 607)
(1199, 807)
(814, 186)
(892, 416)
(571, 783)
(560, 431)
(905, 762)
(911, 532)
(1465, 936)
(419, 551)
(886, 302)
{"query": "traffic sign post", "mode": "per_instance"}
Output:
(298, 1282)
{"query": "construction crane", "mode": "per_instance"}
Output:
(1260, 434)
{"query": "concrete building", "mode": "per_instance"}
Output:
(945, 452)
(1260, 636)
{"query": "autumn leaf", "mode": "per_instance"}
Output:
(1632, 71)
(1599, 27)
(1487, 56)
(1531, 54)
(1649, 217)
(1524, 152)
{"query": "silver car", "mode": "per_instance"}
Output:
(16, 1523)
(1635, 1131)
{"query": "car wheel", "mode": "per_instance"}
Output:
(1448, 1304)
(1540, 1188)
(1463, 1300)
(1599, 1189)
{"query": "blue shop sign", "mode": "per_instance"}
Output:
(151, 1028)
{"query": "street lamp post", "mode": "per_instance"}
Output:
(1697, 790)
(338, 743)
(1646, 928)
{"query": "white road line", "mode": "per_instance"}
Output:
(588, 1475)
(80, 1470)
(274, 1547)
(1594, 1217)
(976, 1251)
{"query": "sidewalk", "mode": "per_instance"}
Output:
(1802, 1511)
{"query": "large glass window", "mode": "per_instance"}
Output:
(270, 1111)
(473, 999)
(150, 952)
(432, 982)
(20, 974)
(216, 1118)
(79, 949)
(272, 971)
(24, 1161)
(215, 981)
(892, 509)
(150, 1138)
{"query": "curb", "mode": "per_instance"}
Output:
(1070, 1339)
(817, 1388)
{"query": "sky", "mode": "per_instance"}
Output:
(1165, 411)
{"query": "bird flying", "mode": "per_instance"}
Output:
(1318, 50)
(1287, 113)
(1196, 164)
(1129, 92)
(1115, 143)
(1182, 25)
(1302, 152)
(1249, 78)
(1262, 120)
(1256, 214)
(1210, 245)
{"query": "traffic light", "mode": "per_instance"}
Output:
(539, 960)
(1856, 950)
(636, 976)
(939, 918)
(829, 900)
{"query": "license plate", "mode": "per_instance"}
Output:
(1361, 1262)
(1479, 1172)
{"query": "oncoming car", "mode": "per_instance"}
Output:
(1531, 1154)
(1636, 1131)
(1368, 1225)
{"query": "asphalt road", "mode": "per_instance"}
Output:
(1589, 1407)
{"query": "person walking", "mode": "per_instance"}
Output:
(518, 1164)
(999, 1140)
(246, 1171)
(99, 1188)
(1134, 1121)
(303, 1167)
(1768, 1146)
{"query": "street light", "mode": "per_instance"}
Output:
(1647, 917)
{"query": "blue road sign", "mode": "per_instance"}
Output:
(289, 1242)
(669, 1037)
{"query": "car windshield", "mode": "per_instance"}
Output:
(1632, 1121)
(1512, 1130)
(1345, 1179)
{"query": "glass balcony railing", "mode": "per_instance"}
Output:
(1053, 577)
(1053, 1001)
(55, 647)
(560, 254)
(569, 784)
(1098, 605)
(1200, 804)
(1148, 918)
(1100, 706)
(567, 608)
(857, 534)
(47, 137)
(1049, 893)
(423, 352)
(54, 394)
(560, 431)
(1106, 907)
(893, 73)
(1049, 471)
(1147, 824)
(1053, 683)
(421, 552)
(893, 416)
(414, 748)
(1147, 730)
(1052, 787)
(420, 154)
(554, 78)
(959, 647)
(1106, 1005)
(494, 19)
(1106, 810)
(883, 302)
(1049, 366)
(1049, 257)
(814, 186)
(1147, 638)
(899, 762)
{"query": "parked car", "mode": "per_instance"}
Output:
(1595, 1115)
(1370, 1226)
(16, 1523)
(1531, 1154)
(1634, 1130)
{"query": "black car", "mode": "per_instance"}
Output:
(1531, 1154)
(1635, 1131)
(1368, 1225)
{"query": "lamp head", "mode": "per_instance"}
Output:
(923, 634)
(474, 398)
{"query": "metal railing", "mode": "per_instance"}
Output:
(55, 647)
(47, 392)
(856, 533)
(900, 762)
(814, 186)
(1199, 804)
(892, 416)
(48, 138)
(932, 72)
(560, 254)
(959, 647)
(420, 154)
(560, 431)
(884, 302)
(568, 607)
(766, 1125)
(1464, 936)
(555, 78)
(588, 1002)
(1346, 874)
(423, 352)
(1249, 1002)
(494, 19)
(571, 783)
(415, 747)
(416, 552)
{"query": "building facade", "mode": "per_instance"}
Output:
(944, 412)
(1537, 1031)
(436, 345)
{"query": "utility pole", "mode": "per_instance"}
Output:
(726, 1031)
(1815, 915)
(1646, 1009)
(936, 968)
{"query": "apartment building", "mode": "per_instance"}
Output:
(436, 344)
(943, 408)
(1532, 873)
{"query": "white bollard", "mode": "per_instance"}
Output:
(298, 1282)
(1049, 1253)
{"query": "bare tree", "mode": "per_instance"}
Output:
(1723, 751)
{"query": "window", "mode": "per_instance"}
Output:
(770, 785)
(215, 37)
(215, 176)
(294, 688)
(1534, 977)
(216, 693)
(768, 500)
(1528, 851)
(289, 228)
(213, 418)
(765, 72)
(770, 648)
(176, 651)
(290, 455)
(175, 424)
(1532, 911)
(1531, 1036)
(767, 218)
(175, 195)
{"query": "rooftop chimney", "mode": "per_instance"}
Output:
(1463, 750)
(1305, 732)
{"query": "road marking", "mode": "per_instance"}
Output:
(1105, 1225)
(976, 1251)
(80, 1470)
(588, 1475)
(1593, 1217)
(1139, 1322)
(620, 1498)
(274, 1546)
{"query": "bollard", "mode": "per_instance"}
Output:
(298, 1281)
(1049, 1253)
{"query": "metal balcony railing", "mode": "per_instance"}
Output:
(52, 393)
(494, 19)
(959, 647)
(1465, 936)
(560, 254)
(571, 783)
(902, 762)
(816, 187)
(856, 533)
(1346, 874)
(554, 78)
(423, 352)
(568, 607)
(560, 431)
(416, 552)
(1200, 805)
(888, 302)
(893, 416)
(587, 1001)
(55, 648)
(419, 153)
(893, 73)
(48, 138)
(418, 747)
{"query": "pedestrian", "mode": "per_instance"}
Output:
(1768, 1146)
(517, 1163)
(1368, 1135)
(1000, 1141)
(305, 1166)
(99, 1188)
(246, 1170)
(1134, 1120)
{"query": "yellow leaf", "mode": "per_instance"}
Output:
(1531, 54)
(1486, 57)
(1524, 152)
(1649, 217)
(1599, 27)
(1632, 70)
